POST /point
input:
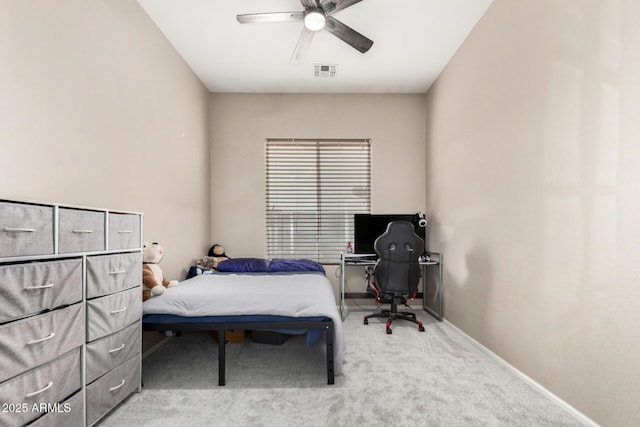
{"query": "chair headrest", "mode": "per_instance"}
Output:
(399, 243)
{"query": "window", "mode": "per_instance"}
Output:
(313, 188)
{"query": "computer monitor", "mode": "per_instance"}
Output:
(367, 228)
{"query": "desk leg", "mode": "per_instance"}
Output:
(435, 311)
(342, 279)
(424, 288)
(440, 288)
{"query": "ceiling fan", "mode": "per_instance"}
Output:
(316, 16)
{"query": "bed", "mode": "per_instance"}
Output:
(253, 295)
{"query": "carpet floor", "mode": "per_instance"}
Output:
(408, 378)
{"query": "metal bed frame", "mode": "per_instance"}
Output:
(221, 326)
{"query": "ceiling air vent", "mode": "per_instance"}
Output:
(324, 70)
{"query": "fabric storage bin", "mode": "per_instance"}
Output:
(107, 274)
(27, 289)
(269, 337)
(108, 352)
(49, 383)
(69, 413)
(106, 392)
(35, 340)
(108, 314)
(80, 230)
(25, 230)
(124, 231)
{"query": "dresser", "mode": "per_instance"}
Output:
(70, 309)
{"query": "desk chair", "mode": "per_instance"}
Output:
(396, 274)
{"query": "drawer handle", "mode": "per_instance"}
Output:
(20, 230)
(114, 350)
(50, 285)
(118, 272)
(114, 388)
(48, 337)
(125, 231)
(83, 231)
(120, 310)
(34, 393)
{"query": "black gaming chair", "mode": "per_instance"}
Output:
(396, 274)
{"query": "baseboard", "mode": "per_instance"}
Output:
(358, 308)
(579, 416)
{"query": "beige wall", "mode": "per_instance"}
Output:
(97, 109)
(240, 123)
(532, 182)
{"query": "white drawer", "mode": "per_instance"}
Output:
(69, 413)
(80, 231)
(106, 392)
(47, 384)
(106, 353)
(113, 312)
(25, 229)
(124, 231)
(107, 274)
(33, 341)
(27, 289)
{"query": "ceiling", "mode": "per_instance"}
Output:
(413, 42)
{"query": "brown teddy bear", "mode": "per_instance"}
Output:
(153, 280)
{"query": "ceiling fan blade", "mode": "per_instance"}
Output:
(334, 6)
(348, 35)
(251, 18)
(302, 47)
(309, 3)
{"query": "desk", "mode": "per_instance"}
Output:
(431, 296)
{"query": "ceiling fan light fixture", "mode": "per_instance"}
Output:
(314, 19)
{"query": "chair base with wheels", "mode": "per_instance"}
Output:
(393, 314)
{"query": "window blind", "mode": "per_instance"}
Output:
(313, 188)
